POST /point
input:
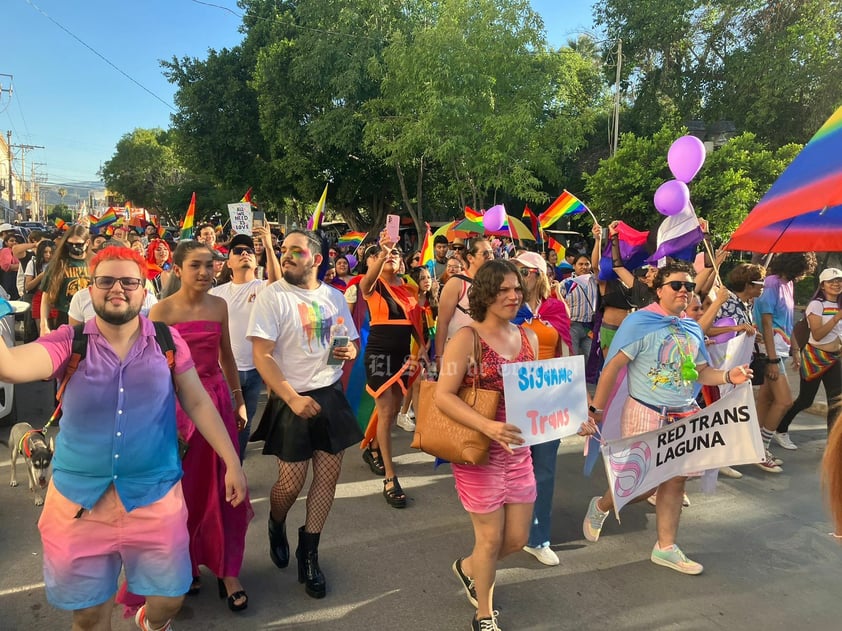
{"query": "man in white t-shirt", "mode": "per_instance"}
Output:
(240, 294)
(307, 416)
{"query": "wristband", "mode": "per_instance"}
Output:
(240, 390)
(595, 410)
(777, 360)
(728, 377)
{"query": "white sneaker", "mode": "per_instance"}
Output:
(544, 554)
(783, 439)
(730, 472)
(405, 423)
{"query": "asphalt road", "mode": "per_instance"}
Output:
(769, 561)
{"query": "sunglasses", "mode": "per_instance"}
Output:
(457, 247)
(525, 271)
(242, 249)
(126, 282)
(676, 285)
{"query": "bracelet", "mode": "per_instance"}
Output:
(595, 410)
(240, 390)
(728, 377)
(777, 360)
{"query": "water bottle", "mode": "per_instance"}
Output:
(338, 337)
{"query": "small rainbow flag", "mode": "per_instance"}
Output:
(246, 199)
(566, 204)
(427, 249)
(61, 224)
(474, 216)
(351, 239)
(189, 218)
(318, 216)
(534, 224)
(107, 219)
(555, 245)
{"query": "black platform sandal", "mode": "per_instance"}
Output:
(374, 460)
(395, 496)
(233, 598)
(195, 586)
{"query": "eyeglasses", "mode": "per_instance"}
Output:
(486, 253)
(676, 285)
(126, 282)
(525, 271)
(242, 249)
(834, 280)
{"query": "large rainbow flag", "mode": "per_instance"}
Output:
(566, 204)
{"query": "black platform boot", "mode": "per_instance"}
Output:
(278, 544)
(308, 564)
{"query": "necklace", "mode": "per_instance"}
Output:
(687, 370)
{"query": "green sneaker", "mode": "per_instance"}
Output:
(592, 524)
(673, 558)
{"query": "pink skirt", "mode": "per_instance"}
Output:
(506, 479)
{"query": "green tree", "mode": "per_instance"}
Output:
(143, 168)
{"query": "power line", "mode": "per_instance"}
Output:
(100, 55)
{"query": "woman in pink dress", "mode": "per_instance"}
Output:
(217, 530)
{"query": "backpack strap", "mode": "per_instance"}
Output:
(163, 336)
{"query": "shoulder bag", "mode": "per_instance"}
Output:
(439, 435)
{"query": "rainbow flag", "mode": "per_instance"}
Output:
(566, 204)
(315, 222)
(189, 218)
(555, 245)
(61, 224)
(351, 239)
(155, 222)
(534, 224)
(474, 216)
(427, 250)
(246, 199)
(107, 219)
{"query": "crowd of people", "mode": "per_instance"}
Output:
(285, 313)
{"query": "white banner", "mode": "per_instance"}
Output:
(723, 434)
(241, 218)
(546, 399)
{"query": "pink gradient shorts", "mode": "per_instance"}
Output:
(83, 555)
(506, 479)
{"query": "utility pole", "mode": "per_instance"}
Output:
(617, 96)
(11, 174)
(36, 180)
(23, 150)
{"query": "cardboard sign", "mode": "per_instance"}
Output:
(723, 434)
(241, 218)
(546, 399)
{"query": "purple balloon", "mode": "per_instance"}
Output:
(686, 156)
(672, 197)
(494, 218)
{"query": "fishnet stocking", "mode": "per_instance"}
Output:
(291, 476)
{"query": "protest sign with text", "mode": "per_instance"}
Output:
(720, 435)
(241, 218)
(546, 399)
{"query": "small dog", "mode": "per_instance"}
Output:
(37, 453)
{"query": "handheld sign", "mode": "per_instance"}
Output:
(241, 219)
(546, 399)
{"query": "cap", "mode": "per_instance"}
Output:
(241, 239)
(6, 227)
(829, 274)
(532, 260)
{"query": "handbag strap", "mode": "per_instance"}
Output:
(476, 356)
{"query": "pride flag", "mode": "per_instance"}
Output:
(555, 245)
(475, 217)
(566, 204)
(534, 224)
(246, 199)
(351, 239)
(427, 250)
(98, 223)
(318, 215)
(61, 224)
(189, 218)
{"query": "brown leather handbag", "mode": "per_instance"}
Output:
(439, 435)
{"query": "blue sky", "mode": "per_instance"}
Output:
(75, 104)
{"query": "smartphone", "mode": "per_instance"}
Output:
(258, 218)
(393, 223)
(338, 342)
